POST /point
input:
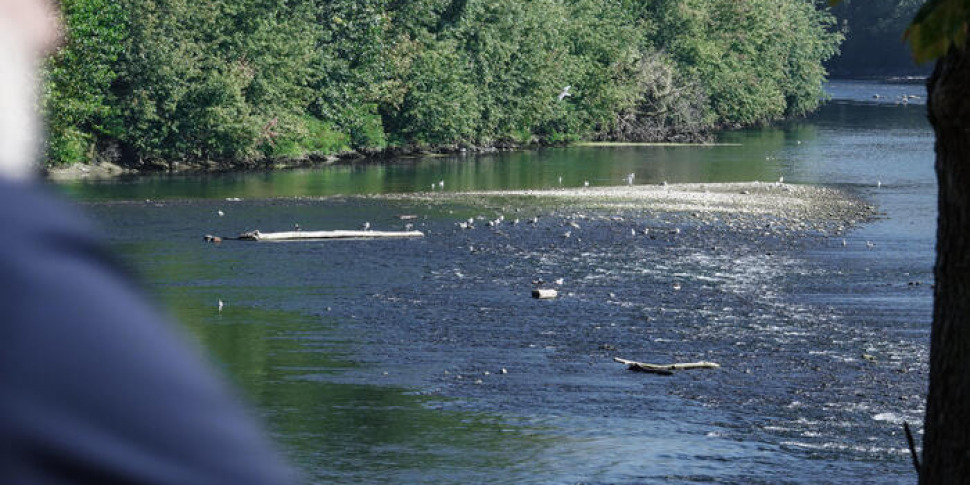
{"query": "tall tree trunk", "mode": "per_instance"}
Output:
(946, 444)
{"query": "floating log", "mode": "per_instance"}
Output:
(664, 369)
(314, 235)
(544, 294)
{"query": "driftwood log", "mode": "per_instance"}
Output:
(664, 369)
(544, 294)
(313, 235)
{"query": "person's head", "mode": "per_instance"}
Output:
(29, 29)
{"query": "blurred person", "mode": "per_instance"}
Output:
(95, 387)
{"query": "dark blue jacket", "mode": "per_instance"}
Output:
(95, 387)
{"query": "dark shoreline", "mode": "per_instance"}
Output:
(100, 170)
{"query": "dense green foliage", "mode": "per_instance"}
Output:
(234, 81)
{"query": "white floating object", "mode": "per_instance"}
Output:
(544, 294)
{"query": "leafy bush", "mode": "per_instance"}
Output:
(236, 80)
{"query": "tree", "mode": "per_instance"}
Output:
(78, 102)
(234, 82)
(939, 31)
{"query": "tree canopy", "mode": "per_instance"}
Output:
(232, 81)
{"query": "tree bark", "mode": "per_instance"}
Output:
(946, 443)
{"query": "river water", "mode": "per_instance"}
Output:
(426, 361)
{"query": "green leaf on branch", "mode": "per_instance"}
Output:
(938, 25)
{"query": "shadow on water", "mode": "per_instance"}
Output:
(382, 361)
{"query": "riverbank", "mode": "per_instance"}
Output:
(101, 170)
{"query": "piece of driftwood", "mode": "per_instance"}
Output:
(313, 235)
(544, 294)
(664, 369)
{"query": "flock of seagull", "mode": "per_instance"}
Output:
(470, 222)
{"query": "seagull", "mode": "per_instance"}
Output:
(221, 213)
(296, 227)
(869, 245)
(781, 179)
(564, 93)
(585, 183)
(220, 306)
(844, 243)
(366, 226)
(441, 184)
(629, 178)
(408, 226)
(878, 184)
(560, 180)
(559, 281)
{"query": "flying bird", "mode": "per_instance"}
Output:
(565, 92)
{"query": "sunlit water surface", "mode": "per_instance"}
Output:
(382, 361)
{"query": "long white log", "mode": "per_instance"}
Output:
(665, 368)
(311, 235)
